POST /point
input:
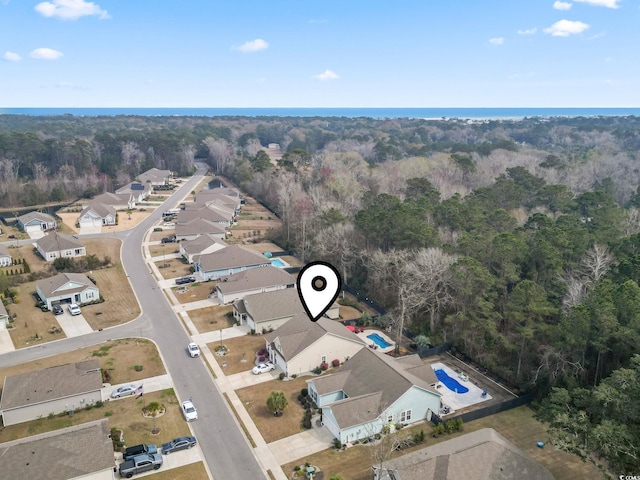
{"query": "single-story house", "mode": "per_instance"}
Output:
(215, 197)
(254, 280)
(203, 212)
(119, 201)
(264, 312)
(67, 288)
(199, 246)
(5, 257)
(63, 388)
(4, 315)
(138, 191)
(227, 261)
(97, 214)
(371, 390)
(83, 451)
(480, 454)
(301, 345)
(36, 222)
(155, 176)
(57, 245)
(197, 227)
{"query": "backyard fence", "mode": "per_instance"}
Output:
(488, 410)
(424, 352)
(364, 299)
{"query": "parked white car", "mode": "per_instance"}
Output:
(74, 309)
(189, 411)
(263, 367)
(193, 349)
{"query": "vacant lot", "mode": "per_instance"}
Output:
(241, 353)
(273, 428)
(210, 319)
(118, 357)
(517, 425)
(174, 267)
(125, 414)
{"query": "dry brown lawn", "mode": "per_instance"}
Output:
(125, 414)
(273, 428)
(193, 471)
(164, 249)
(517, 425)
(158, 236)
(118, 357)
(124, 222)
(193, 291)
(241, 352)
(176, 268)
(210, 319)
(349, 313)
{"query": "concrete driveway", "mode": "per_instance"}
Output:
(6, 344)
(73, 325)
(246, 379)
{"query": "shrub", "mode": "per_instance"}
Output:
(99, 404)
(324, 366)
(317, 370)
(138, 368)
(293, 375)
(304, 392)
(108, 414)
(418, 437)
(399, 426)
(51, 415)
(459, 425)
(337, 443)
(261, 358)
(281, 376)
(450, 426)
(335, 363)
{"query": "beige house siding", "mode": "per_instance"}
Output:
(267, 325)
(330, 346)
(33, 412)
(66, 253)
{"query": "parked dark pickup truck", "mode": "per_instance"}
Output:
(141, 449)
(139, 464)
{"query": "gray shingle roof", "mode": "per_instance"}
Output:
(232, 256)
(61, 454)
(109, 198)
(300, 332)
(43, 217)
(193, 247)
(55, 242)
(100, 209)
(51, 383)
(253, 278)
(49, 286)
(198, 226)
(480, 454)
(201, 212)
(154, 175)
(267, 306)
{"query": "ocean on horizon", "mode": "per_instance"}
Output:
(378, 113)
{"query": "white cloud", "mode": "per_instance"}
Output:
(496, 41)
(327, 75)
(45, 54)
(11, 57)
(601, 3)
(564, 28)
(529, 31)
(558, 5)
(70, 9)
(252, 46)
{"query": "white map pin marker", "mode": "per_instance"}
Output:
(319, 285)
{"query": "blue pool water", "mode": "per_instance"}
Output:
(276, 262)
(451, 383)
(378, 340)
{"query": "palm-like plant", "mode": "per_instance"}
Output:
(277, 402)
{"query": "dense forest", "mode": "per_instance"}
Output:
(517, 241)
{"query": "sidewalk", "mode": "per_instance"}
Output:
(6, 344)
(301, 445)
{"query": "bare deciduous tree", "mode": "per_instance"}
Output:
(597, 261)
(219, 152)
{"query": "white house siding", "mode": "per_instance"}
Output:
(68, 253)
(33, 412)
(330, 346)
(264, 327)
(329, 421)
(5, 261)
(416, 399)
(87, 295)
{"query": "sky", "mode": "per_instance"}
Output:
(319, 53)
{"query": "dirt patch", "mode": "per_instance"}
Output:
(210, 319)
(241, 353)
(273, 428)
(175, 268)
(192, 292)
(118, 357)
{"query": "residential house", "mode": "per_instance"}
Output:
(203, 212)
(264, 312)
(138, 191)
(256, 280)
(57, 245)
(201, 245)
(36, 222)
(372, 390)
(216, 197)
(226, 261)
(198, 227)
(83, 451)
(301, 345)
(155, 176)
(67, 288)
(5, 257)
(119, 201)
(480, 454)
(63, 388)
(97, 215)
(4, 315)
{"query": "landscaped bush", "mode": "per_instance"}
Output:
(281, 376)
(317, 370)
(324, 366)
(304, 392)
(337, 443)
(335, 363)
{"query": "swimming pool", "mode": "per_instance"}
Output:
(451, 383)
(276, 262)
(378, 340)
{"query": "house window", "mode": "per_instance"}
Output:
(390, 418)
(323, 359)
(77, 251)
(405, 417)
